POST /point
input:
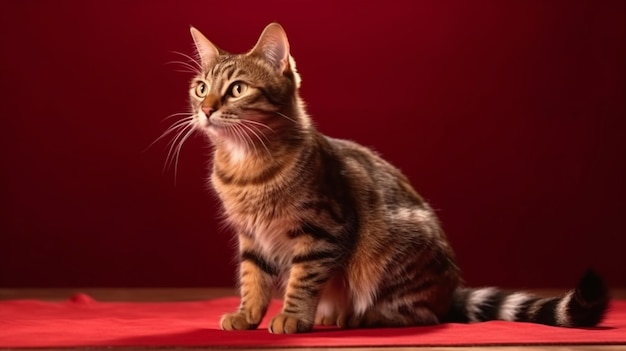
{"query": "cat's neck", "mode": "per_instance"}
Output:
(249, 163)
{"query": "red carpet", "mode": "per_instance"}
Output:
(84, 322)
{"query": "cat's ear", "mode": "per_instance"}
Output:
(273, 46)
(206, 50)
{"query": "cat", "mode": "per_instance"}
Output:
(340, 231)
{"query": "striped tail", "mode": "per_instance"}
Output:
(584, 306)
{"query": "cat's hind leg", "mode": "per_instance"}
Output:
(384, 315)
(333, 304)
(396, 316)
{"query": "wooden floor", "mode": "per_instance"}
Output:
(194, 294)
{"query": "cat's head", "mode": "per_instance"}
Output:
(247, 101)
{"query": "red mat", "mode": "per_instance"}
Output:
(82, 321)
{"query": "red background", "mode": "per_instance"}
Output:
(508, 116)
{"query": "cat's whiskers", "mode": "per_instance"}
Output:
(179, 147)
(175, 147)
(186, 114)
(191, 59)
(258, 137)
(238, 152)
(255, 127)
(242, 135)
(186, 71)
(190, 67)
(172, 145)
(177, 125)
(286, 117)
(258, 124)
(237, 127)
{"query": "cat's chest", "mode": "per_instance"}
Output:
(255, 205)
(265, 217)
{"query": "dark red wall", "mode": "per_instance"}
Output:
(508, 116)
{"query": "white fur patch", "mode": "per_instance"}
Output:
(562, 315)
(412, 214)
(236, 152)
(511, 305)
(362, 301)
(476, 298)
(202, 118)
(325, 308)
(404, 213)
(422, 215)
(271, 239)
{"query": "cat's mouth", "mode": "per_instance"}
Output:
(221, 122)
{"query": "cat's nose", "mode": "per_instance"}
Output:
(208, 111)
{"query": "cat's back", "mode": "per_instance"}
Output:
(371, 173)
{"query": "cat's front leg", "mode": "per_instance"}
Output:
(307, 277)
(256, 277)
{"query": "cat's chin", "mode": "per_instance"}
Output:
(214, 129)
(223, 135)
(217, 133)
(237, 133)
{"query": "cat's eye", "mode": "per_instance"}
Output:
(237, 89)
(202, 89)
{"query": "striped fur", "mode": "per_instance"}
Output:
(338, 229)
(582, 307)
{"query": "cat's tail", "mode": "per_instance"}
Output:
(583, 306)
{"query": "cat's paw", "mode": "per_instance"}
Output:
(326, 320)
(289, 324)
(238, 321)
(349, 321)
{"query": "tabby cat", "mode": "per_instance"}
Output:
(336, 228)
